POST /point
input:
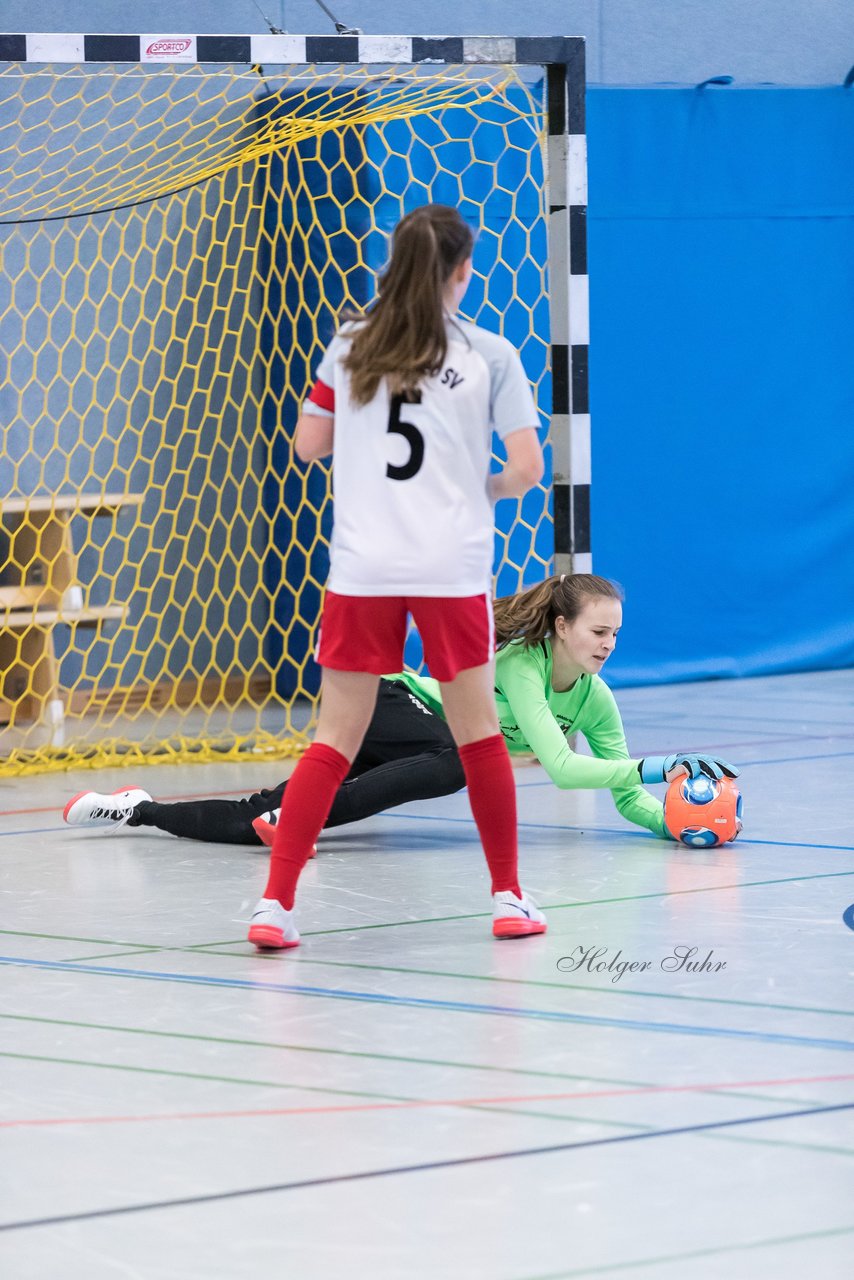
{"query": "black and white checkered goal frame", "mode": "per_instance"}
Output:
(563, 60)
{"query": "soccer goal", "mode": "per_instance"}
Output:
(182, 220)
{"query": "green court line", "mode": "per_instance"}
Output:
(336, 1053)
(609, 989)
(695, 1253)
(195, 1075)
(208, 948)
(593, 901)
(559, 906)
(70, 937)
(476, 915)
(111, 955)
(391, 1057)
(505, 1109)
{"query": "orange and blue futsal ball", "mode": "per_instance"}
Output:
(702, 812)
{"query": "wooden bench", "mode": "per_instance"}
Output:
(40, 590)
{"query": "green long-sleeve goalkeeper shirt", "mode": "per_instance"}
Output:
(536, 718)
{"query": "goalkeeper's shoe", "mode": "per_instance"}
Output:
(514, 917)
(272, 927)
(265, 829)
(93, 809)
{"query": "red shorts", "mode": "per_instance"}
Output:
(367, 633)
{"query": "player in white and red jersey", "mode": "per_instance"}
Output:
(436, 444)
(406, 400)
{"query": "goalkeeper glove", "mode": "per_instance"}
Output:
(656, 768)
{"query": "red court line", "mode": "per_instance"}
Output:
(418, 1102)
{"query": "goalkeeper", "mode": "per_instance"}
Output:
(555, 639)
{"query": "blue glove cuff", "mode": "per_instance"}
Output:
(653, 768)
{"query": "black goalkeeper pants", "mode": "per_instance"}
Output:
(408, 754)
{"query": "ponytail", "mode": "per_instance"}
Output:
(530, 615)
(402, 338)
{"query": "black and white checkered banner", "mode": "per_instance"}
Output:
(158, 47)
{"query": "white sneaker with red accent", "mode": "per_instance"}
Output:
(93, 809)
(265, 829)
(265, 826)
(514, 917)
(272, 927)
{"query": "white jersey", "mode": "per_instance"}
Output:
(412, 513)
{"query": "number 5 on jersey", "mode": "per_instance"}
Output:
(410, 433)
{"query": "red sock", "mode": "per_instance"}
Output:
(492, 796)
(308, 798)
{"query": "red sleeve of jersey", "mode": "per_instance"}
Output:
(323, 396)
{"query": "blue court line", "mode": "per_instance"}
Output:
(589, 829)
(831, 755)
(792, 844)
(417, 1002)
(424, 1167)
(33, 831)
(535, 826)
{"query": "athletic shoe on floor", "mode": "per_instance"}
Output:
(92, 809)
(514, 917)
(265, 826)
(272, 926)
(265, 829)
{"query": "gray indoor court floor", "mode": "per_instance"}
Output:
(402, 1096)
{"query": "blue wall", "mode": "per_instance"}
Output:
(721, 235)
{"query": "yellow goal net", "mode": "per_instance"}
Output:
(177, 243)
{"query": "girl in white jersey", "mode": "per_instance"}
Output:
(406, 400)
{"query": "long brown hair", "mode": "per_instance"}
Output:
(530, 615)
(402, 337)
